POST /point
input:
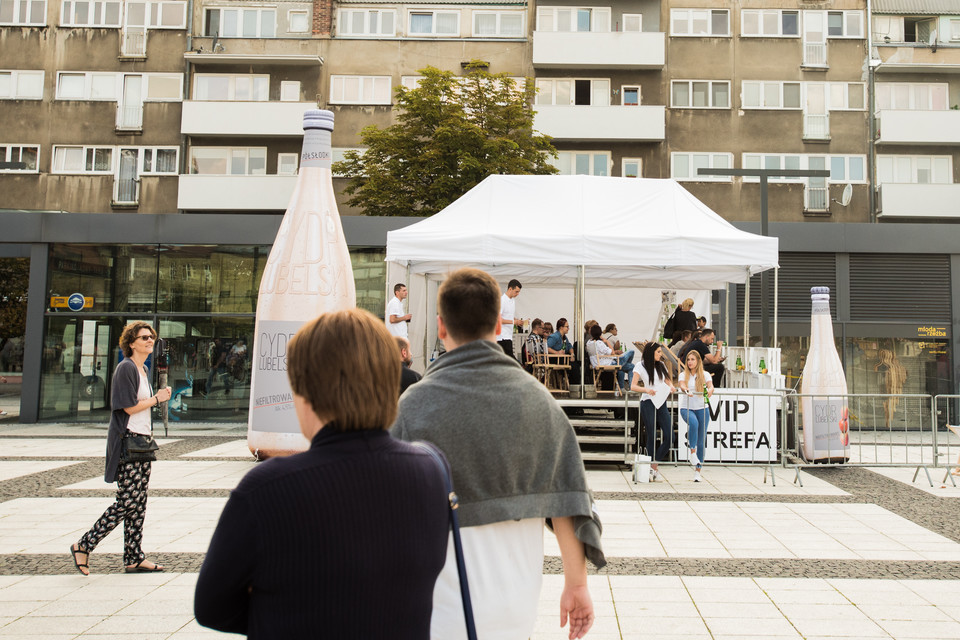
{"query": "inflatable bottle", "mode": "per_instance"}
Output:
(308, 273)
(823, 403)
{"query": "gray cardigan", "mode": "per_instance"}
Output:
(126, 383)
(512, 450)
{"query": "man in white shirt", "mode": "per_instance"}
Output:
(396, 320)
(508, 308)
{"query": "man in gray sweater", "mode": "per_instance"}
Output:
(516, 464)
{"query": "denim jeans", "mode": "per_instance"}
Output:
(625, 372)
(652, 419)
(697, 421)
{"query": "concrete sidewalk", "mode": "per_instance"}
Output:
(850, 554)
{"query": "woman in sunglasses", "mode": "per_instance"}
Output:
(131, 400)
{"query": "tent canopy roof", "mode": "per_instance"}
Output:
(624, 231)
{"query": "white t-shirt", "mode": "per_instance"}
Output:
(505, 570)
(140, 421)
(660, 386)
(508, 307)
(395, 308)
(696, 400)
(597, 348)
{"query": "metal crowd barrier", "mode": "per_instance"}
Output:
(882, 430)
(755, 426)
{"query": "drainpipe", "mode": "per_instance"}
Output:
(871, 118)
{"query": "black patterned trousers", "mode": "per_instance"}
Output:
(130, 507)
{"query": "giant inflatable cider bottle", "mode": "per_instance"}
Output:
(308, 272)
(823, 392)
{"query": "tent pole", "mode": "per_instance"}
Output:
(728, 321)
(579, 319)
(746, 311)
(776, 305)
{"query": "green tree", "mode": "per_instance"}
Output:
(14, 278)
(451, 133)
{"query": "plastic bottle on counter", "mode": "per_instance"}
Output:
(308, 273)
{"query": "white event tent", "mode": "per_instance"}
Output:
(574, 234)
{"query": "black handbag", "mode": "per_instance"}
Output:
(139, 448)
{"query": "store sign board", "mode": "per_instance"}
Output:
(931, 332)
(74, 302)
(743, 428)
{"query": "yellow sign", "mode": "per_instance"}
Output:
(61, 302)
(931, 332)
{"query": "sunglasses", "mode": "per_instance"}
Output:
(146, 338)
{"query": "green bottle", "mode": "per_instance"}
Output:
(706, 396)
(763, 366)
(739, 364)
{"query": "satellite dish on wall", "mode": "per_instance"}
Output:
(845, 196)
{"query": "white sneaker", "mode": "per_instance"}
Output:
(654, 475)
(696, 477)
(694, 460)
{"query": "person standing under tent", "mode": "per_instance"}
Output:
(508, 311)
(396, 319)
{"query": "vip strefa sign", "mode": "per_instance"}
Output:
(743, 428)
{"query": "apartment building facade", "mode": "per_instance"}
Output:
(191, 109)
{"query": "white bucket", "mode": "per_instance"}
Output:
(641, 468)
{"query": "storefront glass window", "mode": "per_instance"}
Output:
(370, 276)
(112, 278)
(210, 279)
(14, 277)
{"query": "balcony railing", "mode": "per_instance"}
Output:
(918, 127)
(932, 201)
(814, 54)
(126, 191)
(133, 43)
(816, 199)
(640, 123)
(816, 127)
(611, 50)
(129, 118)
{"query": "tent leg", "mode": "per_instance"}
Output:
(746, 311)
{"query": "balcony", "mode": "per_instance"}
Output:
(243, 118)
(816, 127)
(917, 58)
(919, 127)
(586, 50)
(919, 201)
(235, 193)
(635, 123)
(815, 55)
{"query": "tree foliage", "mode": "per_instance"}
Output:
(451, 133)
(14, 278)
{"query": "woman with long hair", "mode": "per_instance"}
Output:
(656, 387)
(131, 400)
(696, 389)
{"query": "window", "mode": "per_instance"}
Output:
(231, 87)
(360, 89)
(914, 169)
(339, 154)
(844, 24)
(164, 87)
(770, 95)
(159, 160)
(573, 19)
(769, 23)
(82, 160)
(955, 30)
(633, 22)
(366, 22)
(298, 22)
(497, 24)
(912, 96)
(230, 161)
(842, 168)
(23, 12)
(684, 166)
(241, 23)
(21, 85)
(434, 23)
(87, 86)
(583, 163)
(287, 164)
(565, 91)
(631, 96)
(165, 14)
(847, 96)
(631, 168)
(700, 94)
(699, 22)
(27, 154)
(290, 91)
(90, 13)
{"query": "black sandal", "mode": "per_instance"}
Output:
(74, 550)
(139, 568)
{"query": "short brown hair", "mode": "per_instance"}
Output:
(469, 304)
(347, 366)
(129, 334)
(402, 343)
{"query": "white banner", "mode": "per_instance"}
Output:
(742, 428)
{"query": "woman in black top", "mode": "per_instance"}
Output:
(345, 540)
(683, 320)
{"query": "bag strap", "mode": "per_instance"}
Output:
(453, 502)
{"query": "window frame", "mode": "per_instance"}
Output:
(911, 95)
(762, 95)
(433, 23)
(260, 11)
(18, 8)
(306, 16)
(88, 79)
(712, 159)
(623, 22)
(689, 13)
(362, 99)
(623, 92)
(142, 160)
(761, 12)
(232, 86)
(596, 23)
(288, 156)
(804, 163)
(623, 167)
(893, 157)
(8, 153)
(844, 22)
(15, 83)
(344, 20)
(573, 92)
(499, 15)
(85, 150)
(64, 12)
(229, 159)
(593, 155)
(710, 84)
